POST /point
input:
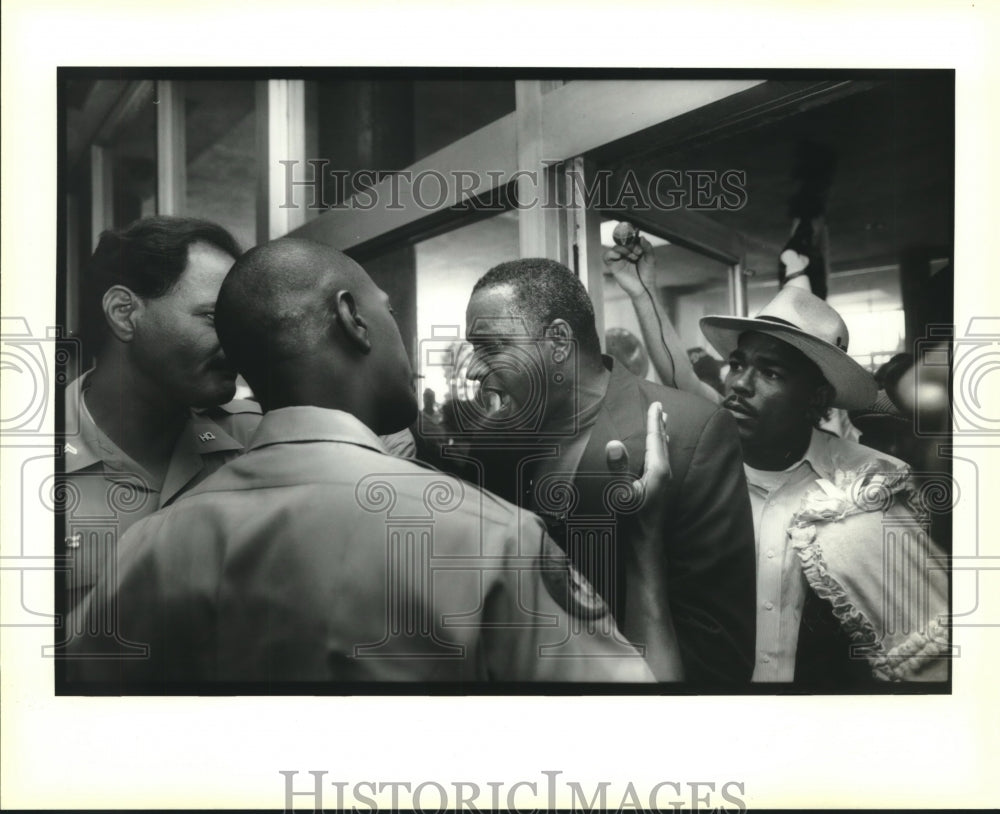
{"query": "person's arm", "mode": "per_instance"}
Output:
(633, 270)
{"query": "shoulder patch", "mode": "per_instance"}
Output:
(567, 586)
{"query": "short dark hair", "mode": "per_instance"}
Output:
(821, 411)
(545, 290)
(147, 257)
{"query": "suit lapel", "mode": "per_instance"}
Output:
(612, 423)
(592, 478)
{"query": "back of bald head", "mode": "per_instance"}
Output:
(276, 307)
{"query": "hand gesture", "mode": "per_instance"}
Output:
(645, 547)
(656, 468)
(647, 599)
(632, 266)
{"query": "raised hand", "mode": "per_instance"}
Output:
(656, 468)
(644, 559)
(632, 266)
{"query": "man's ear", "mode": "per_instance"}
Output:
(560, 334)
(352, 323)
(122, 308)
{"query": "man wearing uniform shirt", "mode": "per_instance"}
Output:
(150, 425)
(851, 590)
(317, 557)
(154, 415)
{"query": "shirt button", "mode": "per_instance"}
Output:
(766, 659)
(769, 605)
(770, 555)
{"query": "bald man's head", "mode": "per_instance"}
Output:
(305, 324)
(276, 302)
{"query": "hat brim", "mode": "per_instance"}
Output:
(854, 386)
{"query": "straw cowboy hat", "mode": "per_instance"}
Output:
(808, 324)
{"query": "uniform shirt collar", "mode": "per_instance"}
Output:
(291, 425)
(82, 446)
(200, 436)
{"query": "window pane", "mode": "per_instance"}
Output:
(871, 303)
(133, 167)
(447, 267)
(429, 284)
(221, 152)
(366, 128)
(445, 111)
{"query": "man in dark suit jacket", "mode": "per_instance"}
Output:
(565, 430)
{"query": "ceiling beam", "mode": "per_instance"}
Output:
(134, 96)
(585, 114)
(473, 166)
(99, 102)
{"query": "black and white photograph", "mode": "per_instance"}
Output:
(651, 394)
(366, 396)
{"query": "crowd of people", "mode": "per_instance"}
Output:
(588, 525)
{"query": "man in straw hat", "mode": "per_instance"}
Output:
(850, 588)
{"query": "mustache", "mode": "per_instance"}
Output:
(740, 406)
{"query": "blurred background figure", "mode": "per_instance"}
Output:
(911, 396)
(883, 425)
(707, 368)
(430, 411)
(625, 347)
(694, 354)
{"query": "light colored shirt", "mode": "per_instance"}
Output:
(401, 444)
(318, 557)
(781, 585)
(105, 491)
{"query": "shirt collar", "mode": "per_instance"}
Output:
(290, 425)
(818, 455)
(200, 436)
(81, 448)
